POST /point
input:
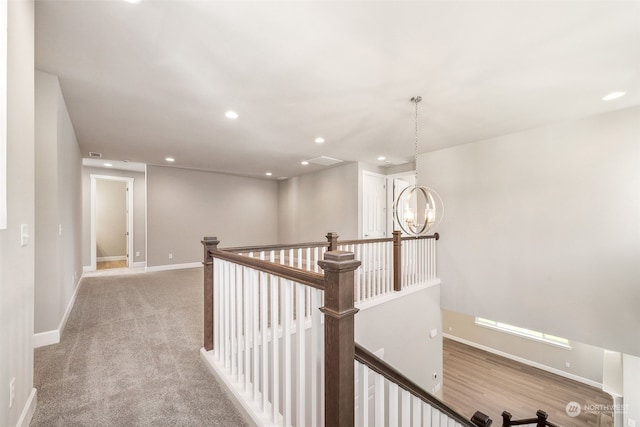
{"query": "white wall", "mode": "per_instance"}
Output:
(631, 385)
(542, 229)
(111, 218)
(186, 205)
(139, 211)
(16, 261)
(586, 361)
(310, 206)
(58, 206)
(401, 326)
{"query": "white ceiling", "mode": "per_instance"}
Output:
(154, 79)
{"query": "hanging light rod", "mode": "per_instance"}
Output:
(417, 209)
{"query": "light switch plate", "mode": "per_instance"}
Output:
(24, 234)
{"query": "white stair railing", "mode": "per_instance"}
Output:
(268, 341)
(385, 398)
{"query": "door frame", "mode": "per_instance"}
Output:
(129, 213)
(363, 213)
(390, 199)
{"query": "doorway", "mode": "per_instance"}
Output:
(111, 222)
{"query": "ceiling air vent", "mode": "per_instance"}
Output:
(325, 161)
(95, 155)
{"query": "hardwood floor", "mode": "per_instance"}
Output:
(103, 265)
(477, 380)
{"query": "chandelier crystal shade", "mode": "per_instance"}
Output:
(417, 209)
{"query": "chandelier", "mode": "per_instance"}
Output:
(417, 209)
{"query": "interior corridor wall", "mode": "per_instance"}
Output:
(310, 206)
(186, 205)
(58, 206)
(16, 260)
(541, 228)
(139, 211)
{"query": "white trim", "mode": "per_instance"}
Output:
(4, 12)
(111, 258)
(526, 361)
(129, 182)
(29, 409)
(394, 295)
(247, 412)
(139, 264)
(67, 312)
(42, 339)
(173, 266)
(87, 268)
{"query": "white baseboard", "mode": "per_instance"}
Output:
(173, 266)
(139, 264)
(42, 339)
(526, 361)
(111, 258)
(28, 410)
(86, 268)
(239, 402)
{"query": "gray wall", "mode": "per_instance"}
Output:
(16, 261)
(542, 230)
(401, 326)
(139, 211)
(186, 205)
(111, 218)
(58, 264)
(586, 360)
(310, 206)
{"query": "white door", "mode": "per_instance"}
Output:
(374, 210)
(399, 184)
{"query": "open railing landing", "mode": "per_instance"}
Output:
(279, 331)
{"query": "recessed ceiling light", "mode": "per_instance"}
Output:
(133, 1)
(268, 174)
(613, 95)
(231, 115)
(169, 159)
(109, 165)
(381, 158)
(304, 163)
(319, 140)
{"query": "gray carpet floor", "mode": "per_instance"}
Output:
(130, 356)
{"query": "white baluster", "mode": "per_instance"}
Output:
(426, 414)
(264, 288)
(393, 405)
(275, 356)
(247, 311)
(300, 355)
(286, 315)
(363, 379)
(256, 309)
(406, 407)
(379, 400)
(416, 409)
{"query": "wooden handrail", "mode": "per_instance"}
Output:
(312, 279)
(259, 248)
(376, 364)
(539, 421)
(285, 246)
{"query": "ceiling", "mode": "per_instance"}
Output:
(150, 80)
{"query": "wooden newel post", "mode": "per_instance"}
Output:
(332, 238)
(210, 244)
(397, 260)
(506, 419)
(542, 418)
(339, 346)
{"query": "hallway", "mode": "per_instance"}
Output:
(129, 356)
